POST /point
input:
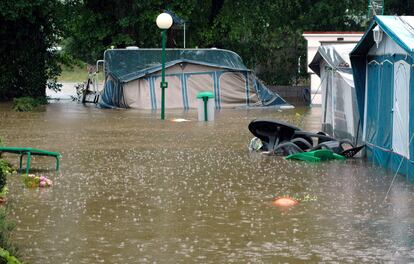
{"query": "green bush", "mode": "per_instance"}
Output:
(5, 234)
(1, 145)
(7, 249)
(28, 104)
(5, 169)
(7, 258)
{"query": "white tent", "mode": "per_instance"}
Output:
(340, 116)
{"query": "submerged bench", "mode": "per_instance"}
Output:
(29, 152)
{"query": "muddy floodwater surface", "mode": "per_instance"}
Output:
(135, 189)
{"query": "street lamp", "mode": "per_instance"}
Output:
(164, 22)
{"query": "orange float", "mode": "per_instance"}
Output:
(284, 202)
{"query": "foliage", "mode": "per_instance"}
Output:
(305, 198)
(7, 249)
(3, 178)
(28, 34)
(301, 198)
(399, 7)
(1, 142)
(28, 104)
(5, 234)
(94, 25)
(6, 257)
(3, 193)
(1, 145)
(80, 90)
(73, 73)
(33, 181)
(267, 34)
(5, 169)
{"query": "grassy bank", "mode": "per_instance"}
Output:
(76, 74)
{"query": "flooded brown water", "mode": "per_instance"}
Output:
(135, 189)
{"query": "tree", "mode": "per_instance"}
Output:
(399, 7)
(267, 34)
(96, 25)
(28, 35)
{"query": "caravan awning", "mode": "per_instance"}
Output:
(127, 65)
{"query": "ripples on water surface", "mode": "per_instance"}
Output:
(135, 189)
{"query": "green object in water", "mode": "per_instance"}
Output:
(316, 155)
(29, 152)
(205, 96)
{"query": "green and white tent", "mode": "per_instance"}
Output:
(383, 69)
(133, 76)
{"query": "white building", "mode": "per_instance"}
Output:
(316, 39)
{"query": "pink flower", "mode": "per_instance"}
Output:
(42, 184)
(48, 182)
(42, 178)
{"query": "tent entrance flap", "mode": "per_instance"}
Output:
(371, 123)
(400, 140)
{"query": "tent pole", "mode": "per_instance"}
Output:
(332, 102)
(326, 100)
(184, 35)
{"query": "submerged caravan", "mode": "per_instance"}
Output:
(382, 64)
(133, 76)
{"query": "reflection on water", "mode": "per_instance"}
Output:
(135, 189)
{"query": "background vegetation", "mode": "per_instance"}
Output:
(7, 249)
(267, 34)
(29, 31)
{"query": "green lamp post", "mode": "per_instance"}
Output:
(164, 22)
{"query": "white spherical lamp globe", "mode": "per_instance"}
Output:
(164, 21)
